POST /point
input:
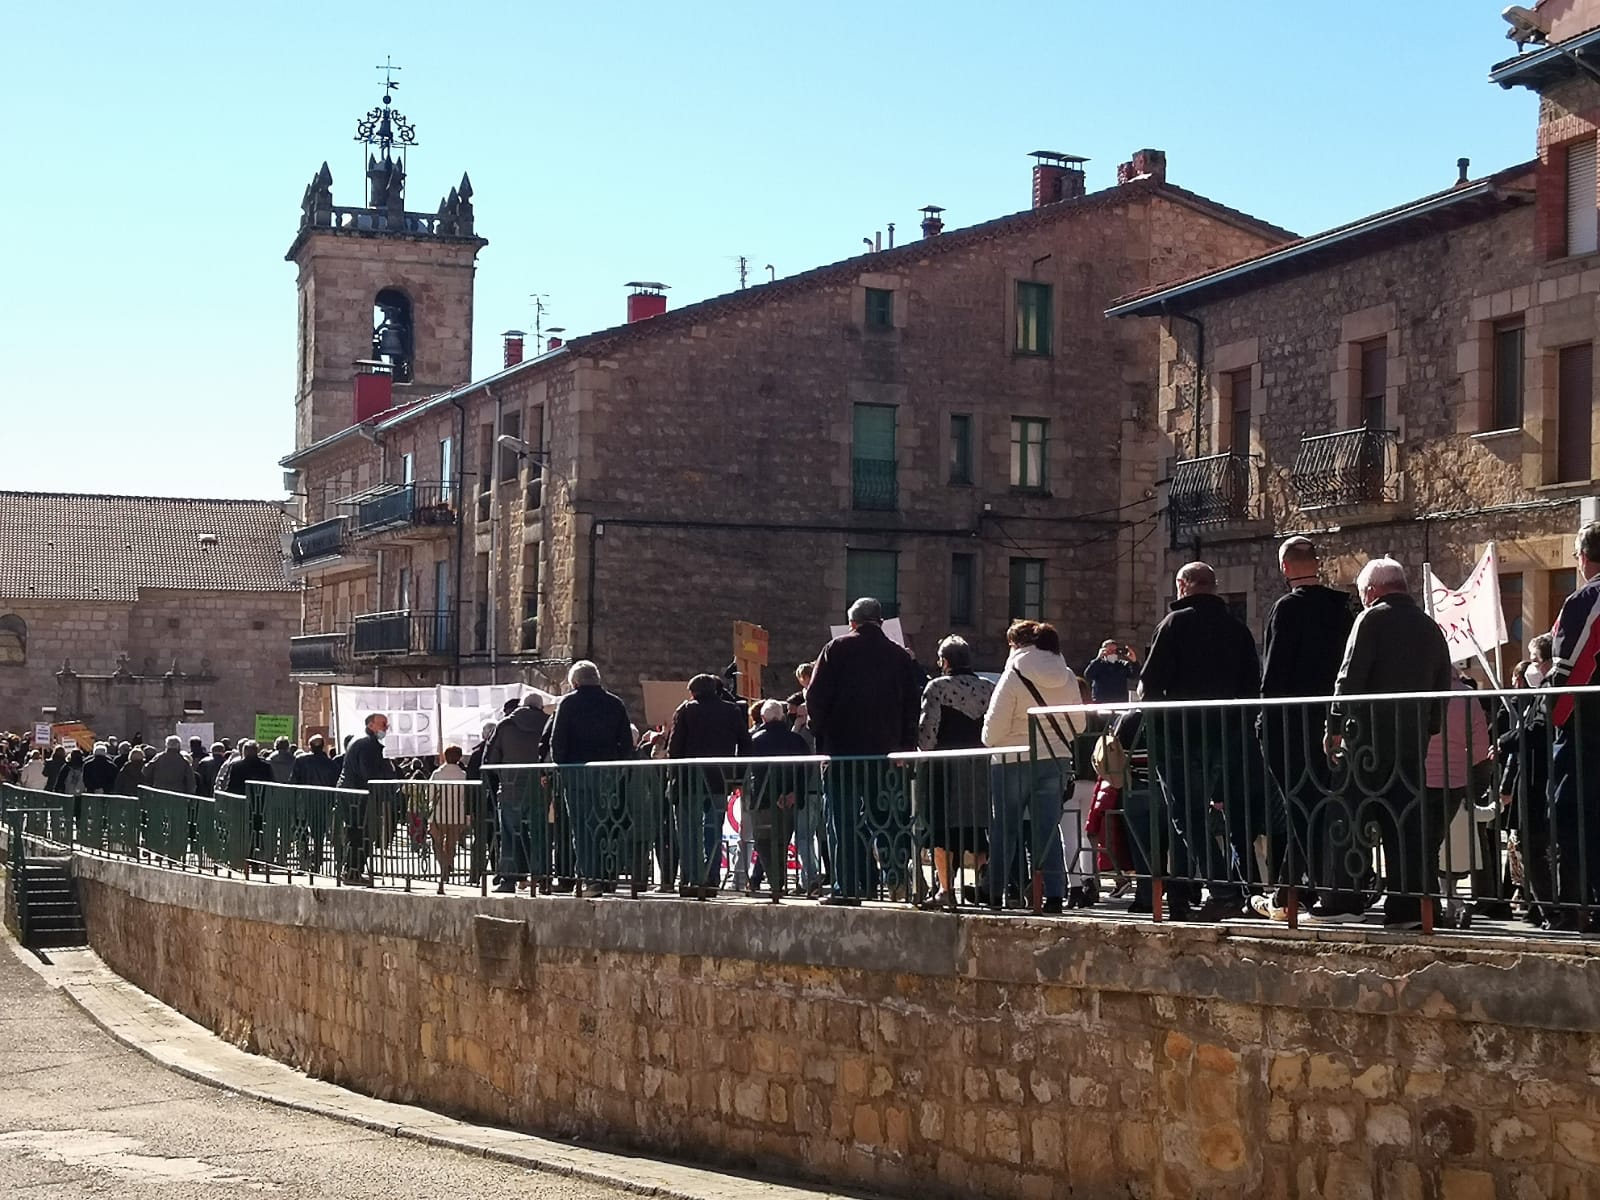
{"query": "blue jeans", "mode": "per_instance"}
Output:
(847, 792)
(1031, 790)
(807, 825)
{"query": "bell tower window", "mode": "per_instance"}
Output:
(392, 332)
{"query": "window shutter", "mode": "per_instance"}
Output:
(1583, 229)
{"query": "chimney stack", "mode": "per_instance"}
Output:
(932, 224)
(646, 300)
(1056, 177)
(1463, 165)
(555, 343)
(513, 342)
(374, 388)
(1145, 164)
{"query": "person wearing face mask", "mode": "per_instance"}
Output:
(363, 764)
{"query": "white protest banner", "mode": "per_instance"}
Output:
(463, 711)
(206, 731)
(892, 630)
(1473, 622)
(413, 717)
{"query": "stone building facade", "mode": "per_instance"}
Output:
(134, 613)
(949, 424)
(1419, 382)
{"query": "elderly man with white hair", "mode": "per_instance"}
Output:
(171, 770)
(1394, 647)
(591, 725)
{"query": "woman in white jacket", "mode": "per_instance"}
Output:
(1035, 676)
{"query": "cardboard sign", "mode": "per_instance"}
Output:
(41, 734)
(73, 732)
(270, 727)
(661, 699)
(750, 643)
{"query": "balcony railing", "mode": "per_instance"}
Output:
(325, 539)
(1208, 490)
(406, 505)
(1353, 466)
(405, 633)
(874, 484)
(319, 653)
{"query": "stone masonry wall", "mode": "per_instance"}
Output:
(901, 1051)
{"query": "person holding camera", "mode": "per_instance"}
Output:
(1112, 675)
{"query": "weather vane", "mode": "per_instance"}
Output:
(386, 127)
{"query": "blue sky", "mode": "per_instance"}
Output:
(156, 154)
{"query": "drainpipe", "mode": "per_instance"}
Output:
(494, 538)
(461, 522)
(596, 530)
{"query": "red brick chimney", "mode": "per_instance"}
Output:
(1152, 163)
(556, 342)
(374, 389)
(646, 300)
(1056, 177)
(932, 223)
(513, 342)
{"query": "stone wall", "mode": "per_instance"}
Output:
(902, 1051)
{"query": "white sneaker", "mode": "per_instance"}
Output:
(1263, 906)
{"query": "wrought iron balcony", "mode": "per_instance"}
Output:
(1353, 466)
(405, 633)
(325, 539)
(1208, 490)
(406, 506)
(874, 484)
(319, 653)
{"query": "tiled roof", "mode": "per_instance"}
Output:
(57, 546)
(1475, 200)
(945, 243)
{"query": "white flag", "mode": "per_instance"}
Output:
(1472, 620)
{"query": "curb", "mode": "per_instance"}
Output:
(535, 1155)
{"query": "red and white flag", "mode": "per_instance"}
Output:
(1472, 620)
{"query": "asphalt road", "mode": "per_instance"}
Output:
(82, 1116)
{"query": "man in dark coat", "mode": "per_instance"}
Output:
(100, 772)
(363, 764)
(313, 767)
(1201, 651)
(591, 725)
(1394, 647)
(1575, 754)
(206, 769)
(777, 794)
(1305, 638)
(170, 770)
(704, 726)
(862, 702)
(520, 795)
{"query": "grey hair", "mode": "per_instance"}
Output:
(866, 610)
(1199, 576)
(773, 710)
(249, 745)
(1587, 543)
(488, 729)
(100, 749)
(955, 652)
(1384, 574)
(174, 742)
(583, 673)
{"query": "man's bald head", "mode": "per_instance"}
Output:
(1196, 579)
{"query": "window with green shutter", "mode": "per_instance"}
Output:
(874, 573)
(1028, 436)
(1027, 589)
(960, 448)
(880, 308)
(963, 586)
(873, 473)
(1033, 318)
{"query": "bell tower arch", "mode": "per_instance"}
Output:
(378, 283)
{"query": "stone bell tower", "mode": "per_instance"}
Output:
(380, 285)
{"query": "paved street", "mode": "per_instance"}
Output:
(80, 1115)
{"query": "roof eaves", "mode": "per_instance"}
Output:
(333, 439)
(433, 402)
(1544, 64)
(1152, 303)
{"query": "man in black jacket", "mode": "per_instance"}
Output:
(704, 726)
(1201, 651)
(520, 795)
(363, 764)
(591, 725)
(863, 702)
(1393, 647)
(1305, 638)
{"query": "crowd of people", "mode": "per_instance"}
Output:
(1275, 801)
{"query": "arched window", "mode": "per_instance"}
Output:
(392, 340)
(13, 640)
